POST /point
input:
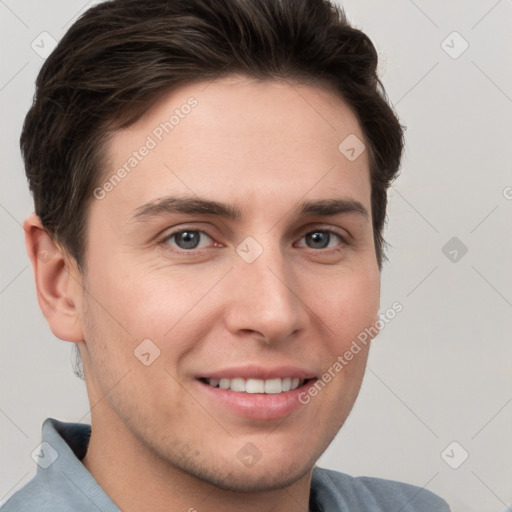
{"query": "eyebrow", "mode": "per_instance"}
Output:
(198, 206)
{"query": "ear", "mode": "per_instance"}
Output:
(58, 281)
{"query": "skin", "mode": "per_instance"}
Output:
(158, 443)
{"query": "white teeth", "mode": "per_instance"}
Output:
(237, 385)
(273, 386)
(254, 386)
(268, 386)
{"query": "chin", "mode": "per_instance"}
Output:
(257, 478)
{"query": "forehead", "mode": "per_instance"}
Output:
(236, 137)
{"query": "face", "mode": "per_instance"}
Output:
(237, 246)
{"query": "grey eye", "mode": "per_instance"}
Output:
(320, 239)
(187, 239)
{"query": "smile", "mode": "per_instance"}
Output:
(267, 386)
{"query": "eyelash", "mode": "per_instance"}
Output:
(343, 241)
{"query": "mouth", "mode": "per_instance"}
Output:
(255, 399)
(255, 391)
(273, 386)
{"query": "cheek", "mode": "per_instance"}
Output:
(124, 310)
(125, 300)
(349, 305)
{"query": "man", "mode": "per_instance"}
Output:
(210, 192)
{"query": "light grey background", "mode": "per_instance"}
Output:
(441, 370)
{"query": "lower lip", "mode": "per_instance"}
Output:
(259, 406)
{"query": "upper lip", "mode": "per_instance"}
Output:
(259, 372)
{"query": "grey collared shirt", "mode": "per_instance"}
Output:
(63, 484)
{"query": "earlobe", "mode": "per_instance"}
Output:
(58, 282)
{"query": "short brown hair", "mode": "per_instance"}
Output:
(121, 54)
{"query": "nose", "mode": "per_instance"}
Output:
(265, 298)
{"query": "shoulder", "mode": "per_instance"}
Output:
(33, 496)
(61, 483)
(373, 494)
